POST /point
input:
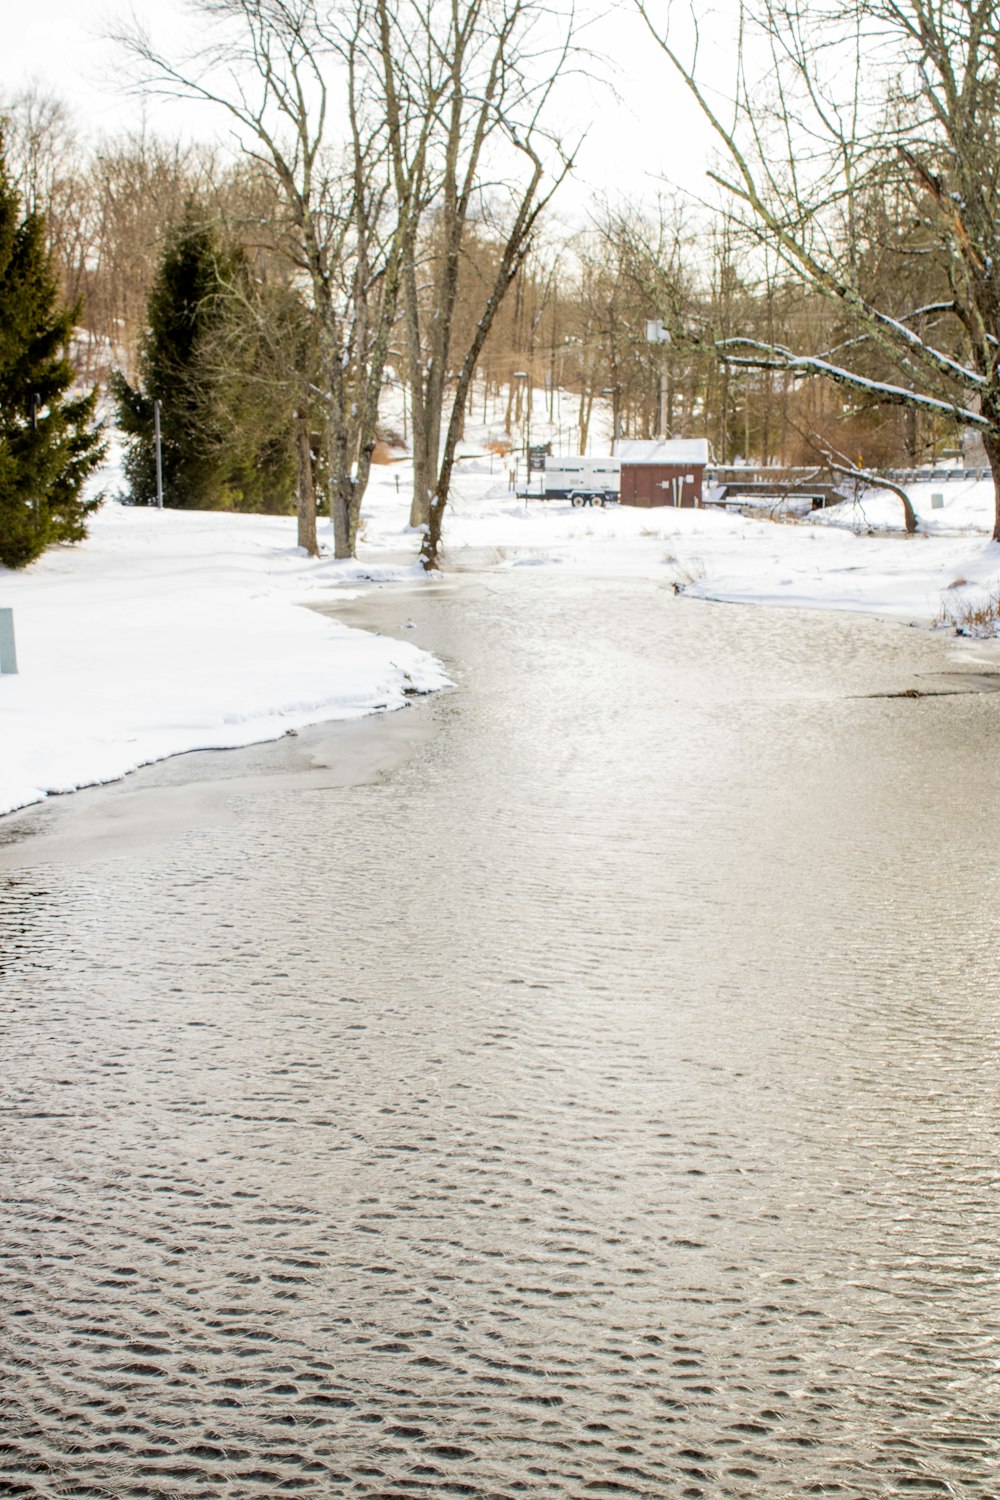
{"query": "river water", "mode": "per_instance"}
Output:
(582, 1084)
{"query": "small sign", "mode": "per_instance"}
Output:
(937, 501)
(8, 656)
(537, 454)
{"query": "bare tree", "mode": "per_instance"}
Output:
(481, 72)
(637, 262)
(280, 69)
(434, 93)
(800, 159)
(40, 145)
(135, 191)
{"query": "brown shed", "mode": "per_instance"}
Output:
(670, 472)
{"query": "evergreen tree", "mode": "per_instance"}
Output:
(216, 452)
(49, 444)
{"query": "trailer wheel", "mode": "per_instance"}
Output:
(576, 499)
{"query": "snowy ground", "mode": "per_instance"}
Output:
(849, 557)
(169, 631)
(172, 631)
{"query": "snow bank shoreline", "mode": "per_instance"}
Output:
(172, 631)
(167, 632)
(851, 558)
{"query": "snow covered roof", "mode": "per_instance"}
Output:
(667, 451)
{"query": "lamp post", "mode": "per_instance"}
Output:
(657, 334)
(526, 425)
(614, 391)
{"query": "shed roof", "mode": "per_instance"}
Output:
(667, 451)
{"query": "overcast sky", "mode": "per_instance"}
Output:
(654, 131)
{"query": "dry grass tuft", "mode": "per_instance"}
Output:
(979, 618)
(685, 574)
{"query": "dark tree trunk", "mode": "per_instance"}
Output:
(991, 442)
(306, 487)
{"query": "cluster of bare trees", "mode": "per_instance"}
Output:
(377, 142)
(389, 134)
(107, 210)
(574, 322)
(864, 159)
(391, 188)
(842, 298)
(576, 326)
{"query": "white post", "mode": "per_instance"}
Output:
(8, 655)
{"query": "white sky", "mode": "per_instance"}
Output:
(653, 131)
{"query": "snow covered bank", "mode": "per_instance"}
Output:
(847, 558)
(170, 631)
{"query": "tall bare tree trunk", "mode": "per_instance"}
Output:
(991, 442)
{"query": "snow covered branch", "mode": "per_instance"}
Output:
(775, 357)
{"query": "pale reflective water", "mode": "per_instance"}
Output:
(598, 1099)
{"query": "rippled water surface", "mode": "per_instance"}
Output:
(598, 1098)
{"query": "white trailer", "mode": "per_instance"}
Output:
(582, 481)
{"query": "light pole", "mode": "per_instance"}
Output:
(614, 391)
(526, 425)
(657, 334)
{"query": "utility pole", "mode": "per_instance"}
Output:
(661, 405)
(523, 376)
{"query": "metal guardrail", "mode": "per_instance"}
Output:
(937, 476)
(748, 474)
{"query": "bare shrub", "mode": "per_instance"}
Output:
(974, 617)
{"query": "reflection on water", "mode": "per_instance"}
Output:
(601, 1101)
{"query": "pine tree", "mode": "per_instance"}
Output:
(49, 443)
(215, 455)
